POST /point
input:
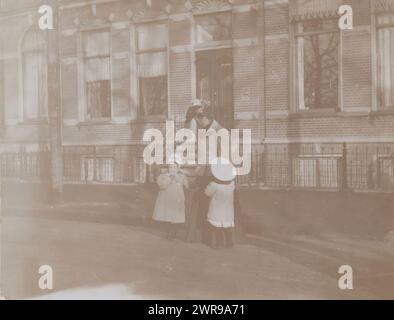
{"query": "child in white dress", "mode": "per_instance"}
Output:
(170, 202)
(221, 207)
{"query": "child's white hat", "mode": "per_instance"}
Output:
(222, 169)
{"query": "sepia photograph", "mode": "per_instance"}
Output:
(216, 150)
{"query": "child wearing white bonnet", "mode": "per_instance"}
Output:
(221, 207)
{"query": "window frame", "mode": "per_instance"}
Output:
(377, 103)
(83, 58)
(227, 44)
(320, 178)
(137, 53)
(43, 111)
(93, 165)
(294, 78)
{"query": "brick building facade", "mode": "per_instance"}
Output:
(319, 100)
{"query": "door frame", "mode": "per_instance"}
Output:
(230, 117)
(195, 48)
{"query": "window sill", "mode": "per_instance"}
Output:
(328, 113)
(383, 112)
(149, 119)
(93, 122)
(34, 122)
(313, 113)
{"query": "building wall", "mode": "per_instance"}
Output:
(127, 128)
(357, 121)
(15, 21)
(263, 73)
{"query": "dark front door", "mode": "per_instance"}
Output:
(215, 83)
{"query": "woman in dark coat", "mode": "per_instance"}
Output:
(197, 202)
(197, 228)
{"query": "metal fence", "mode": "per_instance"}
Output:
(106, 165)
(368, 167)
(359, 167)
(293, 166)
(25, 165)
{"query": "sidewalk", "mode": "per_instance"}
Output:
(99, 260)
(312, 234)
(121, 214)
(372, 259)
(354, 215)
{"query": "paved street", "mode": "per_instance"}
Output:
(103, 260)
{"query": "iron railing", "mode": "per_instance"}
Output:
(25, 165)
(368, 167)
(105, 164)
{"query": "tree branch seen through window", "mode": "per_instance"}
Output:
(317, 64)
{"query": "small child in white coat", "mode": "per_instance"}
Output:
(170, 202)
(221, 214)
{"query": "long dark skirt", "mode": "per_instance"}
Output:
(197, 227)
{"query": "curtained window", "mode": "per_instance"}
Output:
(317, 62)
(152, 69)
(99, 169)
(34, 73)
(96, 50)
(385, 59)
(2, 100)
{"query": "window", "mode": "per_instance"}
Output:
(305, 173)
(2, 100)
(100, 169)
(97, 73)
(385, 41)
(34, 76)
(152, 70)
(316, 172)
(317, 62)
(386, 173)
(213, 27)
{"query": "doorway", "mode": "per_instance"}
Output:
(214, 70)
